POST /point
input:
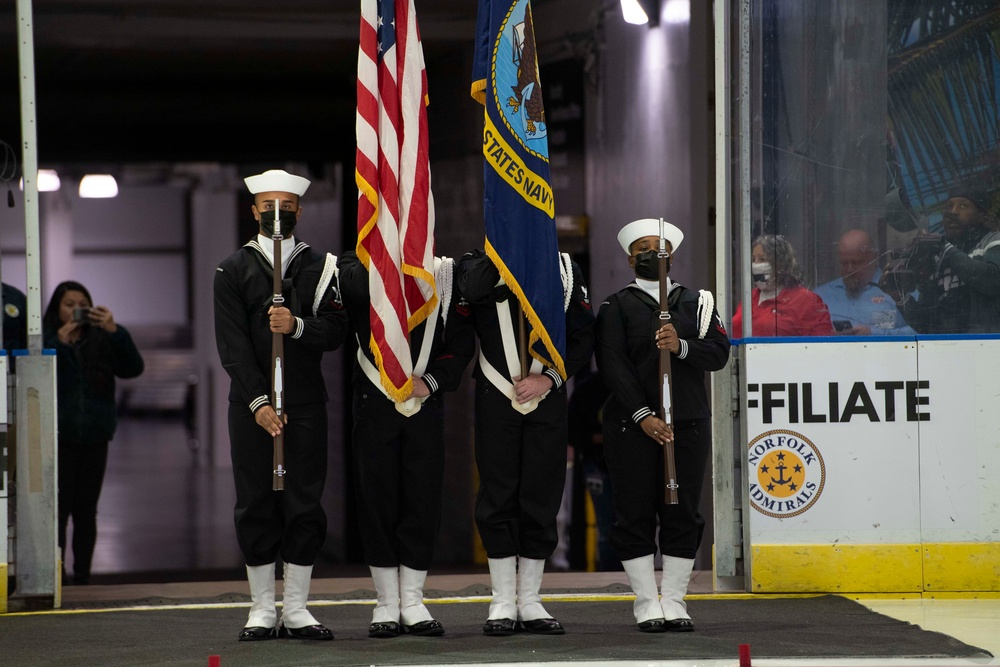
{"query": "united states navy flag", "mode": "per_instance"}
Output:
(520, 213)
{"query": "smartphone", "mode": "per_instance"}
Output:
(842, 325)
(80, 314)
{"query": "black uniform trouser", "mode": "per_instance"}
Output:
(289, 523)
(635, 463)
(399, 470)
(522, 472)
(81, 476)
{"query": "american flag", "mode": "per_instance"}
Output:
(395, 206)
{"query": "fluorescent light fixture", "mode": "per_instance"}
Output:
(633, 12)
(98, 186)
(677, 11)
(48, 180)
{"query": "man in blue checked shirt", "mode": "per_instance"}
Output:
(857, 306)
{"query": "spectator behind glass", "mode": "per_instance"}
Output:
(92, 349)
(957, 276)
(781, 305)
(857, 306)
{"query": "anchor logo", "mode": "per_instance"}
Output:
(781, 486)
(787, 473)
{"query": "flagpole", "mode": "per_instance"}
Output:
(523, 338)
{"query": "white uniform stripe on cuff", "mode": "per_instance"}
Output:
(641, 414)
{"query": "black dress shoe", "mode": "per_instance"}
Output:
(429, 628)
(257, 634)
(308, 632)
(499, 627)
(680, 625)
(544, 626)
(653, 625)
(383, 630)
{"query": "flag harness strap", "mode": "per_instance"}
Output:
(506, 325)
(412, 405)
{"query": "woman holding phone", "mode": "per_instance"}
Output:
(92, 350)
(781, 305)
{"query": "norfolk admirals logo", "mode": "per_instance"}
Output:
(787, 473)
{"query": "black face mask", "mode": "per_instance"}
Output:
(647, 265)
(287, 218)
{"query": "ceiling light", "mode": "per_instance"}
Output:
(633, 12)
(677, 11)
(48, 180)
(97, 186)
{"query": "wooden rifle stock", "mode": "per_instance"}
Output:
(666, 381)
(277, 359)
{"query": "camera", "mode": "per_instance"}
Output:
(80, 314)
(908, 267)
(842, 325)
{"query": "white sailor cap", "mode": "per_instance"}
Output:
(638, 229)
(277, 180)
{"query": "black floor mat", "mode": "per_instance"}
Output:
(820, 627)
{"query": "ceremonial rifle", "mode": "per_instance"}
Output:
(277, 354)
(666, 409)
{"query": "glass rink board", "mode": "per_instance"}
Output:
(870, 465)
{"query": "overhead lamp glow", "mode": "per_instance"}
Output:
(677, 11)
(48, 180)
(633, 12)
(98, 186)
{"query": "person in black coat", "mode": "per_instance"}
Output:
(289, 523)
(520, 453)
(399, 448)
(91, 351)
(629, 338)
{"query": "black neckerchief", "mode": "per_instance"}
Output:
(672, 298)
(287, 288)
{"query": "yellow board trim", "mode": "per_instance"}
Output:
(962, 566)
(838, 568)
(3, 585)
(876, 568)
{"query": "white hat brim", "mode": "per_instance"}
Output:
(277, 180)
(638, 229)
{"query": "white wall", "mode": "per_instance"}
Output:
(647, 143)
(130, 251)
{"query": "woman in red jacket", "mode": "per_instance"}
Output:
(782, 306)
